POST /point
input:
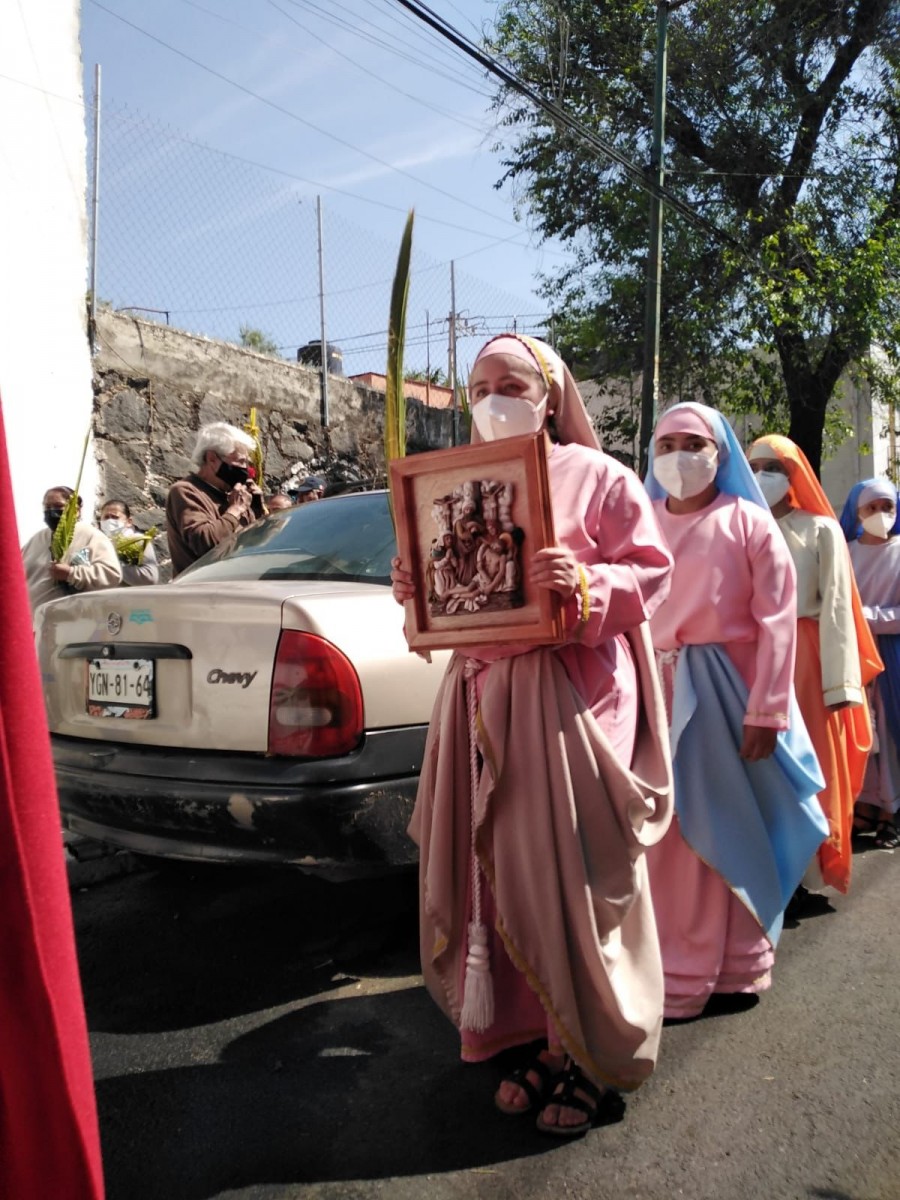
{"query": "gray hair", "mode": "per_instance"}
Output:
(223, 439)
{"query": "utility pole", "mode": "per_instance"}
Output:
(95, 212)
(653, 298)
(324, 345)
(427, 358)
(451, 353)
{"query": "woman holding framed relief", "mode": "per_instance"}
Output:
(546, 775)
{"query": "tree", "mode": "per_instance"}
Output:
(435, 376)
(783, 130)
(255, 339)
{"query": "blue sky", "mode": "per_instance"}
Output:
(210, 172)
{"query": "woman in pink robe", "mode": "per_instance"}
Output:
(719, 888)
(541, 873)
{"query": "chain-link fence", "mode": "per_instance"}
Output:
(219, 245)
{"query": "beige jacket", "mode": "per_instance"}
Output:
(91, 556)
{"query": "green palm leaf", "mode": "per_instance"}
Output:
(65, 530)
(130, 547)
(395, 398)
(462, 399)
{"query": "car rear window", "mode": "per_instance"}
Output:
(345, 537)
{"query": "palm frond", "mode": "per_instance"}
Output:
(395, 398)
(256, 454)
(462, 399)
(65, 530)
(130, 547)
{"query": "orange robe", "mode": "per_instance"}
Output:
(836, 653)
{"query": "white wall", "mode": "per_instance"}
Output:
(45, 369)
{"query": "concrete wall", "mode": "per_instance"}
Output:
(45, 370)
(156, 386)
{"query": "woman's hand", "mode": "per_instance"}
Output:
(60, 572)
(556, 569)
(759, 742)
(402, 583)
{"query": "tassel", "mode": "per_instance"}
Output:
(478, 993)
(478, 989)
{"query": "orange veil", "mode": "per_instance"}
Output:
(847, 733)
(806, 493)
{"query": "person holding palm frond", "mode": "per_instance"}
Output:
(87, 563)
(137, 558)
(546, 775)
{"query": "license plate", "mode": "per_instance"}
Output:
(120, 688)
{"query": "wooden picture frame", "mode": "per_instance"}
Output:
(469, 521)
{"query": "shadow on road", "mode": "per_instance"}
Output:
(351, 1089)
(171, 949)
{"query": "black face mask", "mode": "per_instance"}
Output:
(52, 517)
(231, 473)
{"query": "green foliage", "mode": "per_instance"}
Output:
(130, 547)
(255, 339)
(65, 530)
(462, 400)
(394, 398)
(782, 128)
(435, 376)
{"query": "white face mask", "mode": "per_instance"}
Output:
(498, 417)
(879, 524)
(111, 526)
(684, 474)
(773, 485)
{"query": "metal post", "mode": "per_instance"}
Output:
(324, 346)
(427, 359)
(653, 295)
(452, 352)
(95, 211)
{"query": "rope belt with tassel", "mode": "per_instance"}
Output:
(478, 991)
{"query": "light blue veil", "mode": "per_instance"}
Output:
(734, 475)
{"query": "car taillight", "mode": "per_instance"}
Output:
(316, 706)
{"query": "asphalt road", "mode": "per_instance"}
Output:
(265, 1036)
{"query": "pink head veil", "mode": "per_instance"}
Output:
(570, 416)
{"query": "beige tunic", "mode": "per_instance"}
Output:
(561, 827)
(91, 555)
(820, 556)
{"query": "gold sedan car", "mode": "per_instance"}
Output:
(264, 707)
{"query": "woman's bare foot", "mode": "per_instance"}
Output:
(577, 1105)
(513, 1097)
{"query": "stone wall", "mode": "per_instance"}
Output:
(156, 386)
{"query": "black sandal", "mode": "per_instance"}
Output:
(604, 1107)
(538, 1094)
(887, 836)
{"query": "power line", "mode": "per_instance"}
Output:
(415, 56)
(562, 119)
(316, 183)
(296, 117)
(378, 78)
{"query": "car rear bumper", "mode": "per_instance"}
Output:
(341, 817)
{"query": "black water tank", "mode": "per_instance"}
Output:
(311, 356)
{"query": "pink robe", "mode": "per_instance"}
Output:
(572, 788)
(733, 584)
